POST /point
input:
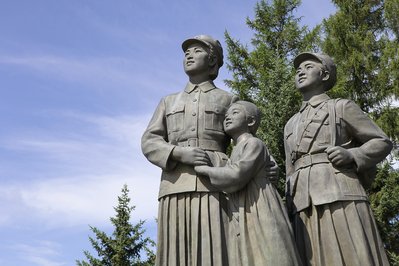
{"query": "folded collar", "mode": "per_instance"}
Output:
(204, 86)
(315, 101)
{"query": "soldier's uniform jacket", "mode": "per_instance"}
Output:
(191, 118)
(311, 178)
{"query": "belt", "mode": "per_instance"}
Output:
(205, 144)
(307, 160)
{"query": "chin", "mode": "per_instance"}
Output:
(300, 86)
(190, 70)
(227, 130)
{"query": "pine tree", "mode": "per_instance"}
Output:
(264, 74)
(126, 244)
(363, 39)
(384, 199)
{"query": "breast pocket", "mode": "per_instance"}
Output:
(214, 116)
(175, 118)
(319, 128)
(324, 136)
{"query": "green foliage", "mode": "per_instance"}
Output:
(363, 38)
(353, 38)
(391, 8)
(384, 198)
(126, 244)
(264, 74)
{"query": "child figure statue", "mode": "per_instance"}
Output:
(260, 232)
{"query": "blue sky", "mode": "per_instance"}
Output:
(79, 81)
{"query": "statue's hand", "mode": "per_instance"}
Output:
(272, 170)
(339, 156)
(201, 169)
(191, 156)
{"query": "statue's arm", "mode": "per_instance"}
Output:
(236, 174)
(154, 142)
(374, 144)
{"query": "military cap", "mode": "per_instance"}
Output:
(325, 60)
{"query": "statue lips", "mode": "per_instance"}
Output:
(190, 62)
(227, 124)
(302, 79)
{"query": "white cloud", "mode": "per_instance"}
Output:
(99, 73)
(102, 158)
(89, 70)
(41, 253)
(65, 202)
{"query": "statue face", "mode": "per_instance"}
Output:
(235, 120)
(196, 59)
(309, 75)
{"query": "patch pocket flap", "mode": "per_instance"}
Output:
(215, 108)
(175, 109)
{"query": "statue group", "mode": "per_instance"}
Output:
(216, 209)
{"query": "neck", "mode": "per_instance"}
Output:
(309, 94)
(197, 79)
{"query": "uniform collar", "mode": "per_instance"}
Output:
(204, 86)
(315, 101)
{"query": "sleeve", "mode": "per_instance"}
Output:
(236, 174)
(154, 142)
(374, 144)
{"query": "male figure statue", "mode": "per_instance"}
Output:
(329, 145)
(186, 130)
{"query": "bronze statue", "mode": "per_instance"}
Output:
(260, 232)
(186, 130)
(330, 146)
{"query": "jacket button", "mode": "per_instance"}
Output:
(194, 114)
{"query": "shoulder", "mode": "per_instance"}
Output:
(340, 103)
(221, 92)
(222, 97)
(174, 98)
(255, 143)
(290, 122)
(172, 95)
(345, 107)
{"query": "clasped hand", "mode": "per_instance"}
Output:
(191, 156)
(339, 156)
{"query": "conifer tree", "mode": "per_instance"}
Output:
(362, 36)
(263, 73)
(125, 246)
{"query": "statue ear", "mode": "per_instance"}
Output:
(325, 75)
(251, 121)
(212, 60)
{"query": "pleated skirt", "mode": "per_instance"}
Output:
(192, 230)
(263, 233)
(339, 233)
